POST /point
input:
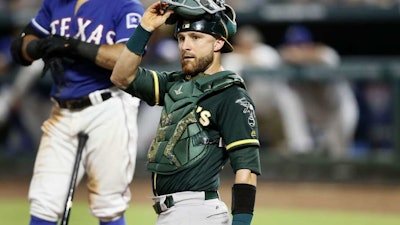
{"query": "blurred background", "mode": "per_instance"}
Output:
(324, 75)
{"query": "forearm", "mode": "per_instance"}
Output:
(128, 62)
(245, 176)
(125, 68)
(107, 55)
(243, 197)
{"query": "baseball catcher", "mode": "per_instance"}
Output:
(208, 117)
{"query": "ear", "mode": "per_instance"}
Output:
(219, 43)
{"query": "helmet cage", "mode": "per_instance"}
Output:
(209, 6)
(229, 18)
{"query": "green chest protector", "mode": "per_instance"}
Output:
(181, 141)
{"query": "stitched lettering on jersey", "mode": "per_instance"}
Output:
(204, 116)
(64, 25)
(82, 27)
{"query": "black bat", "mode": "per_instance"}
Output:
(82, 138)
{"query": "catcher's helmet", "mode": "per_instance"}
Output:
(221, 25)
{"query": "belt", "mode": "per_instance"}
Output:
(169, 201)
(80, 103)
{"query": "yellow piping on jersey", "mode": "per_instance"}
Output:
(156, 87)
(242, 142)
(154, 181)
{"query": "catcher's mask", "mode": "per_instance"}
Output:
(194, 9)
(221, 24)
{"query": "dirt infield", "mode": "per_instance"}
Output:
(359, 197)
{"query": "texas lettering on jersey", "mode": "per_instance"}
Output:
(108, 22)
(63, 26)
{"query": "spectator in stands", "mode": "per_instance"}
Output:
(272, 96)
(330, 105)
(374, 134)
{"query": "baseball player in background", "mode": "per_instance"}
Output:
(207, 118)
(79, 41)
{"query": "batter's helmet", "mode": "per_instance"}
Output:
(221, 24)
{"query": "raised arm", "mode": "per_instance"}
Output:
(129, 60)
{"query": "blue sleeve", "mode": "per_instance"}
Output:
(43, 18)
(129, 14)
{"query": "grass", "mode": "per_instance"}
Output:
(15, 211)
(322, 217)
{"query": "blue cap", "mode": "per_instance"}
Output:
(298, 34)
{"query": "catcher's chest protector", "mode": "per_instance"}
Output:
(181, 141)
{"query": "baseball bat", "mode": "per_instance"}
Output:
(82, 138)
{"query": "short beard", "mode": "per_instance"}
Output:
(200, 65)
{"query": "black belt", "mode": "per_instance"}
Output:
(80, 103)
(169, 200)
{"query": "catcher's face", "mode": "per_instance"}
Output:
(197, 51)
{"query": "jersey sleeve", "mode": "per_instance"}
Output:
(246, 158)
(42, 20)
(237, 119)
(239, 129)
(128, 17)
(150, 86)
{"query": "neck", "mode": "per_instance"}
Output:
(216, 65)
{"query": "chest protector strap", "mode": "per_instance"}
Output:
(181, 141)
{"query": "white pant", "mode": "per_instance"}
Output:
(108, 158)
(192, 208)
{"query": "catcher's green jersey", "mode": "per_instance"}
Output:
(228, 112)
